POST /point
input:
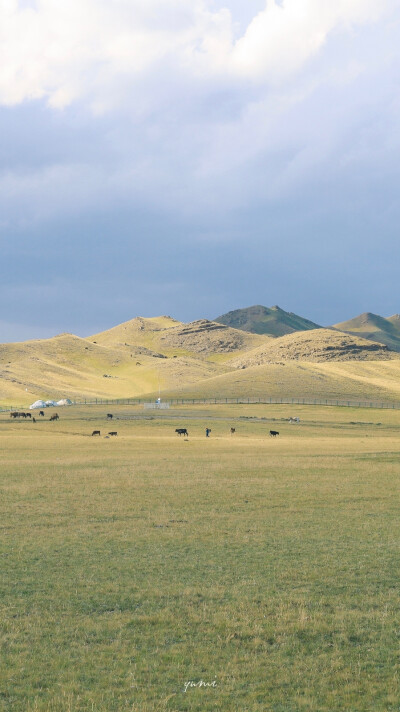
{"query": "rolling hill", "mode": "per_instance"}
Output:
(319, 345)
(129, 360)
(375, 327)
(69, 366)
(141, 356)
(166, 337)
(354, 380)
(263, 320)
(206, 338)
(138, 332)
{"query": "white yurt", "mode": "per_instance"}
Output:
(38, 404)
(64, 401)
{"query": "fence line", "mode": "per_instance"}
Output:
(231, 401)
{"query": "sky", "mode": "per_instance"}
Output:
(190, 157)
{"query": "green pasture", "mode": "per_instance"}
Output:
(264, 568)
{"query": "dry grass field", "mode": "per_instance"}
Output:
(135, 567)
(355, 380)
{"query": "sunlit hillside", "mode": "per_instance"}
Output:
(168, 337)
(143, 332)
(68, 366)
(355, 380)
(144, 357)
(318, 345)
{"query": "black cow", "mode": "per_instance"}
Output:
(96, 432)
(273, 433)
(55, 417)
(109, 416)
(41, 413)
(182, 431)
(113, 433)
(28, 415)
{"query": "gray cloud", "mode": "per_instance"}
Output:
(197, 190)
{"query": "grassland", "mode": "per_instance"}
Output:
(355, 380)
(133, 565)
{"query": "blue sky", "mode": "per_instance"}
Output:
(189, 157)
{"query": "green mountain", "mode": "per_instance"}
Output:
(374, 327)
(263, 320)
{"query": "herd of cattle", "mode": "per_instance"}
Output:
(179, 431)
(183, 431)
(15, 414)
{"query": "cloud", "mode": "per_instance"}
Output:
(285, 35)
(92, 49)
(177, 109)
(66, 51)
(153, 143)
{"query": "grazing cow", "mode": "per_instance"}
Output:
(96, 432)
(233, 430)
(182, 431)
(41, 413)
(28, 415)
(273, 433)
(55, 417)
(14, 414)
(109, 416)
(113, 433)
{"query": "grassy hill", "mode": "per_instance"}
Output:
(353, 380)
(375, 327)
(263, 320)
(318, 345)
(168, 337)
(129, 360)
(202, 358)
(68, 366)
(208, 338)
(136, 332)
